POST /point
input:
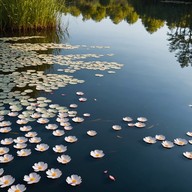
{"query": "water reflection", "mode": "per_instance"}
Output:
(153, 14)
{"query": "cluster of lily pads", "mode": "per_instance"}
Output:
(170, 144)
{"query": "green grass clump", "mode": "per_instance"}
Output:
(29, 14)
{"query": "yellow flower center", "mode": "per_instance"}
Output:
(32, 179)
(97, 155)
(74, 181)
(54, 174)
(40, 167)
(6, 182)
(17, 190)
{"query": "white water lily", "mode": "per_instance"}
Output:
(188, 154)
(140, 124)
(13, 114)
(22, 121)
(127, 119)
(189, 134)
(142, 119)
(17, 188)
(32, 178)
(36, 115)
(58, 133)
(6, 158)
(4, 150)
(1, 171)
(116, 127)
(97, 153)
(167, 144)
(53, 173)
(20, 145)
(42, 147)
(86, 114)
(77, 119)
(91, 133)
(25, 128)
(179, 141)
(64, 159)
(24, 152)
(82, 99)
(43, 120)
(40, 166)
(6, 180)
(5, 123)
(149, 139)
(5, 130)
(60, 148)
(160, 137)
(71, 139)
(131, 124)
(31, 134)
(74, 180)
(62, 115)
(35, 140)
(68, 128)
(7, 141)
(79, 93)
(73, 105)
(51, 126)
(20, 140)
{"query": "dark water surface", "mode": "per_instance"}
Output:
(151, 84)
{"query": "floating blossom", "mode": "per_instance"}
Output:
(167, 144)
(68, 128)
(24, 152)
(71, 139)
(17, 188)
(32, 178)
(20, 145)
(7, 141)
(131, 124)
(127, 119)
(58, 133)
(82, 99)
(140, 125)
(35, 140)
(25, 128)
(53, 173)
(6, 181)
(188, 154)
(5, 123)
(74, 180)
(20, 140)
(60, 148)
(6, 158)
(190, 141)
(160, 137)
(31, 134)
(116, 127)
(149, 139)
(77, 119)
(13, 114)
(91, 133)
(179, 141)
(1, 171)
(97, 153)
(73, 105)
(42, 147)
(51, 126)
(86, 115)
(189, 134)
(64, 159)
(142, 119)
(22, 121)
(40, 166)
(4, 150)
(79, 93)
(35, 115)
(43, 120)
(5, 130)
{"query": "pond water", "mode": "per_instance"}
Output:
(149, 81)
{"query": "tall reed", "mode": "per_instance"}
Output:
(29, 14)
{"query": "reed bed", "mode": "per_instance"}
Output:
(30, 14)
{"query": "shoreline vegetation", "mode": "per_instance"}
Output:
(19, 15)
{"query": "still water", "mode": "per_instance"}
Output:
(150, 84)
